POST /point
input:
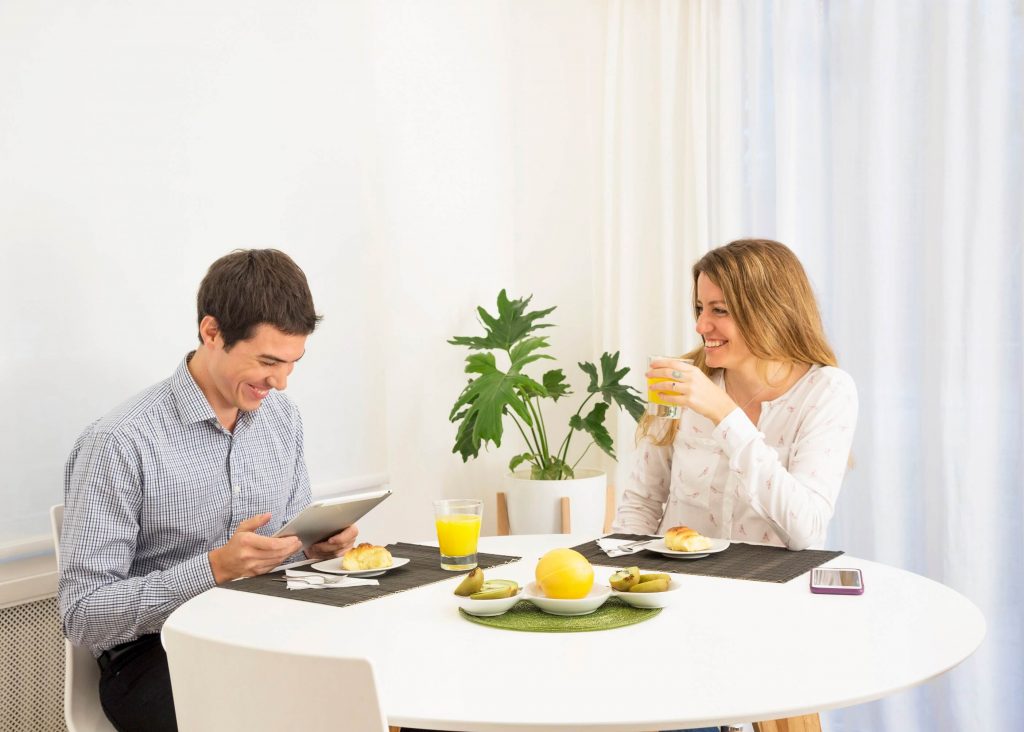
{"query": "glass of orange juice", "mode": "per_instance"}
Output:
(458, 528)
(655, 406)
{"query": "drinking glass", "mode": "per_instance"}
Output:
(458, 529)
(655, 406)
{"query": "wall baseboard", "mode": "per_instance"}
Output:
(28, 580)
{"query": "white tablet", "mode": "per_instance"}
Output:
(323, 519)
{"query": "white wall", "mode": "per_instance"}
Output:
(139, 142)
(487, 177)
(413, 158)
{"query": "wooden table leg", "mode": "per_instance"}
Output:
(806, 723)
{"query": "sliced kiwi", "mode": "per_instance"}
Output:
(655, 576)
(495, 592)
(625, 578)
(472, 582)
(658, 585)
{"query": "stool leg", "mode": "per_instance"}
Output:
(609, 507)
(805, 723)
(566, 516)
(503, 527)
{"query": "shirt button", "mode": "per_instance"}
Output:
(236, 490)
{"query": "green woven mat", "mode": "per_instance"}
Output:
(526, 616)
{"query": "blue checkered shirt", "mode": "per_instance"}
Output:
(151, 488)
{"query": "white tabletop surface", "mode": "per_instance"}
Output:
(729, 651)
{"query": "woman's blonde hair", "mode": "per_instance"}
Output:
(770, 299)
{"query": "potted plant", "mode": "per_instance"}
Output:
(493, 395)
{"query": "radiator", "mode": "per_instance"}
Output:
(31, 668)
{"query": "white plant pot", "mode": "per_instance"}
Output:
(535, 506)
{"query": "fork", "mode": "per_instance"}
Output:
(631, 547)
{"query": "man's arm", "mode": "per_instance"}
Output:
(101, 605)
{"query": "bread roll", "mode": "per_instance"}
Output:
(685, 539)
(366, 556)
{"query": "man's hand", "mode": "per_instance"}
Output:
(335, 546)
(248, 554)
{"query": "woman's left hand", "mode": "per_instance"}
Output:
(689, 387)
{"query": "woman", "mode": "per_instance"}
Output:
(760, 453)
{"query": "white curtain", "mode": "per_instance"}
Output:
(883, 142)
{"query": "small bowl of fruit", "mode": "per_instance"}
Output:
(484, 597)
(645, 590)
(565, 585)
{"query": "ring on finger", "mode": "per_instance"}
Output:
(677, 374)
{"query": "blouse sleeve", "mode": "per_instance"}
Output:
(798, 502)
(643, 501)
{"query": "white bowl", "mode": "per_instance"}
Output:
(651, 599)
(584, 606)
(488, 608)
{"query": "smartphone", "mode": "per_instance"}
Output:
(836, 581)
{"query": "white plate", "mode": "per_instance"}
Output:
(717, 545)
(489, 608)
(651, 599)
(583, 606)
(333, 566)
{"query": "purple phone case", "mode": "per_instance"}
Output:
(836, 589)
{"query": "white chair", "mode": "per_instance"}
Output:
(82, 710)
(218, 686)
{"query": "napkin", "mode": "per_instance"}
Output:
(611, 546)
(333, 581)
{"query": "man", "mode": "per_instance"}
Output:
(180, 488)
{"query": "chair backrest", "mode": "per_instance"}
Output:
(219, 686)
(82, 710)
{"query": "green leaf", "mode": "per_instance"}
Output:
(523, 353)
(464, 443)
(610, 386)
(555, 470)
(555, 384)
(485, 399)
(593, 425)
(520, 459)
(511, 324)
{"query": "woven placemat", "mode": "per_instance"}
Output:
(526, 616)
(739, 561)
(424, 568)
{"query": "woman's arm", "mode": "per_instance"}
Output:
(647, 488)
(797, 502)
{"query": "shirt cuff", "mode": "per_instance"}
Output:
(191, 578)
(735, 432)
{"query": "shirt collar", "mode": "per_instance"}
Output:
(192, 403)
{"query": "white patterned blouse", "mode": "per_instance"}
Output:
(773, 483)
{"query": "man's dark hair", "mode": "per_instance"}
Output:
(253, 286)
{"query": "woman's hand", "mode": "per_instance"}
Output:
(689, 387)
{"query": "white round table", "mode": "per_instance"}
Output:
(729, 651)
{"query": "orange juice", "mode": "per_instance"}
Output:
(652, 395)
(457, 533)
(655, 405)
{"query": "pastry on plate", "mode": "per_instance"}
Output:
(366, 556)
(685, 539)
